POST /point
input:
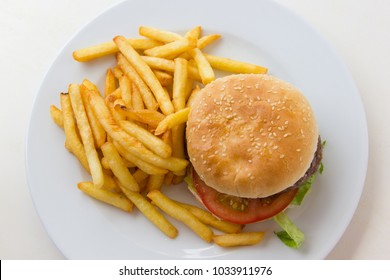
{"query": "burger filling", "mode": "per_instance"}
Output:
(249, 210)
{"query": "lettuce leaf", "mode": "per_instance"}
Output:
(290, 235)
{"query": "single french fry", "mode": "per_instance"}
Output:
(154, 143)
(110, 82)
(86, 135)
(171, 49)
(206, 72)
(105, 164)
(158, 35)
(107, 48)
(194, 33)
(118, 200)
(56, 115)
(137, 100)
(172, 120)
(180, 78)
(238, 239)
(72, 139)
(209, 219)
(147, 95)
(118, 167)
(154, 182)
(146, 73)
(126, 90)
(151, 213)
(98, 132)
(146, 116)
(180, 213)
(207, 40)
(234, 66)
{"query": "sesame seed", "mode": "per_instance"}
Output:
(281, 156)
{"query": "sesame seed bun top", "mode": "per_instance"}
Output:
(251, 135)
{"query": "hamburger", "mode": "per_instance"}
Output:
(252, 140)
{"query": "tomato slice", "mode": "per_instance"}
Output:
(241, 210)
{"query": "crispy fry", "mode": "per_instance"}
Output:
(105, 164)
(138, 102)
(194, 33)
(56, 115)
(118, 167)
(154, 182)
(180, 213)
(99, 134)
(171, 49)
(151, 141)
(110, 83)
(206, 72)
(86, 135)
(146, 73)
(151, 213)
(234, 66)
(149, 117)
(238, 239)
(158, 35)
(107, 48)
(208, 219)
(179, 94)
(115, 199)
(126, 90)
(132, 74)
(172, 120)
(207, 40)
(72, 139)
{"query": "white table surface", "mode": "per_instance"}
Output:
(33, 32)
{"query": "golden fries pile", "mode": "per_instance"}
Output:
(130, 135)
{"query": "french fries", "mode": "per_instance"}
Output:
(151, 213)
(56, 115)
(155, 144)
(180, 213)
(130, 136)
(86, 135)
(118, 200)
(208, 219)
(103, 49)
(172, 120)
(118, 167)
(238, 239)
(146, 73)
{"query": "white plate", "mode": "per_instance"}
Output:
(258, 31)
